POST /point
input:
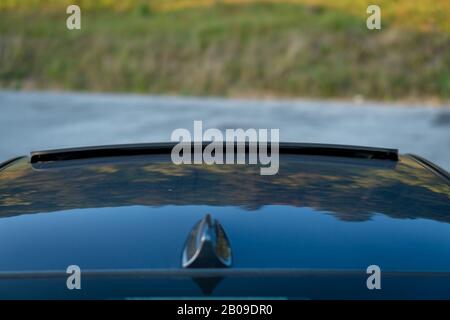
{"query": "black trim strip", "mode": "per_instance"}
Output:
(159, 148)
(3, 165)
(435, 169)
(208, 272)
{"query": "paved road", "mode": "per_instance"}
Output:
(33, 121)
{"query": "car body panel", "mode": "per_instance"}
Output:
(135, 213)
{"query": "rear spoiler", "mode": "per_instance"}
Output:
(165, 148)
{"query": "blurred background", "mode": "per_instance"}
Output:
(139, 69)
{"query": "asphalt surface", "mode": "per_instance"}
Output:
(45, 120)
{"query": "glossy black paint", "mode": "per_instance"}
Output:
(326, 218)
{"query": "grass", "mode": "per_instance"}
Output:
(250, 49)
